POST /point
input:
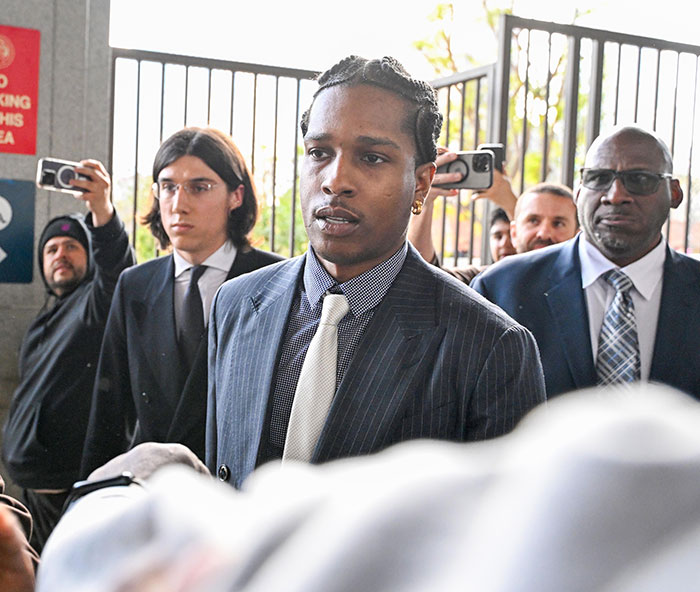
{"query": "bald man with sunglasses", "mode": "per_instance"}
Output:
(615, 304)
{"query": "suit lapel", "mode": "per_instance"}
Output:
(397, 347)
(567, 304)
(678, 296)
(158, 330)
(187, 425)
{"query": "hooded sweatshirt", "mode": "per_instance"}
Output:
(43, 438)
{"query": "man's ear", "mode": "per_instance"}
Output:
(513, 232)
(676, 193)
(235, 197)
(424, 179)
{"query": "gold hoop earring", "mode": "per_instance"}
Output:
(417, 207)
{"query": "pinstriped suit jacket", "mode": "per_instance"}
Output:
(436, 361)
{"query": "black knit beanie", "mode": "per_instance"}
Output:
(64, 226)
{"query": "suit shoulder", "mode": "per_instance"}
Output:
(521, 269)
(265, 258)
(144, 271)
(459, 304)
(255, 281)
(686, 263)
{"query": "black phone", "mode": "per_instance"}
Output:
(499, 154)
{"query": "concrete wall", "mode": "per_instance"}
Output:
(73, 123)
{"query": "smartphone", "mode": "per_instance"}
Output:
(55, 174)
(499, 154)
(475, 166)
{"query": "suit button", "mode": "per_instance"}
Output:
(224, 473)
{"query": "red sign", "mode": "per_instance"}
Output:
(19, 89)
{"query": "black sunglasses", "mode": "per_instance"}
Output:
(636, 182)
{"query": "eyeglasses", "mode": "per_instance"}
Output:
(165, 190)
(636, 182)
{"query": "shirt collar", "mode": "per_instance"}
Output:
(221, 259)
(645, 273)
(363, 292)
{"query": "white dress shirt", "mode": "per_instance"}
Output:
(218, 265)
(646, 275)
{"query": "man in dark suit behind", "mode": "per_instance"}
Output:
(560, 293)
(418, 354)
(151, 380)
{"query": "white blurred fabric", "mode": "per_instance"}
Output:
(598, 491)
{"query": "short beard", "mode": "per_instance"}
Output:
(65, 287)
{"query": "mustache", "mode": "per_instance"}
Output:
(541, 243)
(61, 262)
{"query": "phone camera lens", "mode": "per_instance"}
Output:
(482, 163)
(65, 174)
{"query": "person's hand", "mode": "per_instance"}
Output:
(145, 459)
(16, 569)
(98, 190)
(500, 193)
(444, 157)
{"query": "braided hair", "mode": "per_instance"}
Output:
(424, 123)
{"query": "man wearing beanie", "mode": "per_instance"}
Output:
(80, 260)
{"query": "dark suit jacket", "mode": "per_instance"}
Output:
(542, 290)
(141, 392)
(436, 361)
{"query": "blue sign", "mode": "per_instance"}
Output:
(16, 231)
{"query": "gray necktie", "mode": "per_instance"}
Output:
(618, 347)
(192, 320)
(316, 385)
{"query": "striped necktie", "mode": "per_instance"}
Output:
(618, 347)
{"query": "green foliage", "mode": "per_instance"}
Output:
(145, 245)
(260, 237)
(535, 103)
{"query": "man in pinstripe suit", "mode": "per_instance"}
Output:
(419, 355)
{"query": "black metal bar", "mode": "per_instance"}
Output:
(514, 22)
(208, 96)
(672, 147)
(461, 147)
(448, 112)
(136, 154)
(658, 88)
(545, 133)
(571, 112)
(274, 168)
(459, 77)
(162, 103)
(213, 63)
(187, 92)
(112, 94)
(525, 119)
(233, 95)
(636, 86)
(596, 94)
(617, 81)
(502, 82)
(255, 118)
(296, 176)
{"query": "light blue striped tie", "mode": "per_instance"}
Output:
(618, 347)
